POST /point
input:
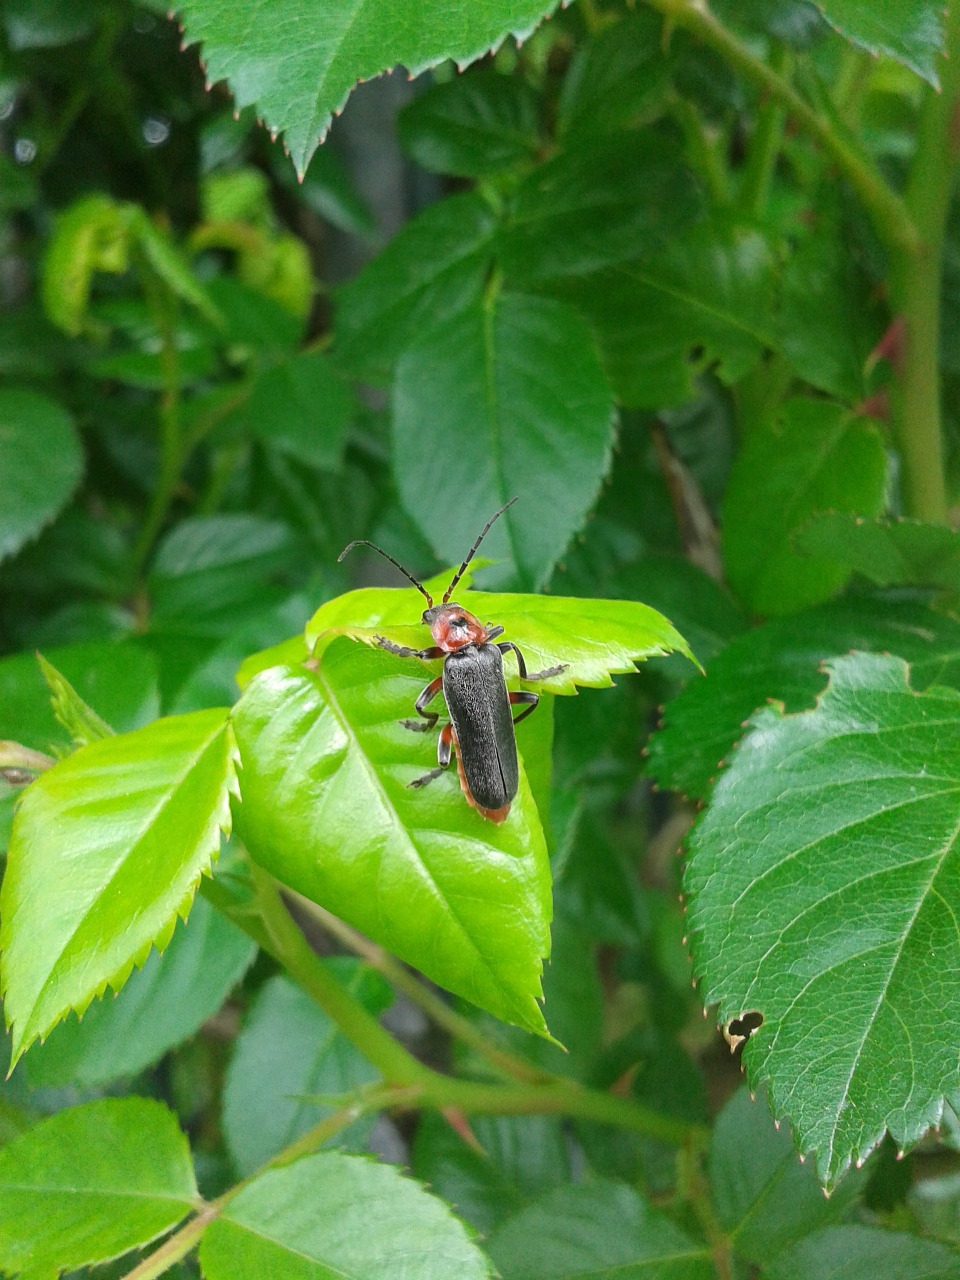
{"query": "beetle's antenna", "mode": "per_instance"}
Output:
(473, 550)
(362, 542)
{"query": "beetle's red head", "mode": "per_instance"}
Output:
(452, 627)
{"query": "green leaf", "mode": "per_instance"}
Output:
(821, 884)
(161, 1005)
(708, 288)
(327, 810)
(493, 393)
(603, 201)
(909, 30)
(331, 1216)
(41, 463)
(604, 1230)
(92, 235)
(595, 638)
(521, 1157)
(473, 125)
(78, 719)
(298, 84)
(139, 817)
(433, 269)
(863, 1253)
(91, 1183)
(763, 1197)
(888, 552)
(618, 78)
(818, 457)
(287, 1057)
(169, 265)
(781, 661)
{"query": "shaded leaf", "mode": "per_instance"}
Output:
(327, 810)
(888, 552)
(335, 1215)
(298, 84)
(863, 1253)
(493, 392)
(617, 79)
(41, 463)
(820, 882)
(139, 817)
(909, 30)
(91, 1183)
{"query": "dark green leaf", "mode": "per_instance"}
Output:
(781, 661)
(333, 1215)
(41, 463)
(604, 1230)
(433, 269)
(473, 125)
(139, 816)
(493, 392)
(161, 1005)
(298, 84)
(909, 30)
(818, 457)
(864, 1253)
(820, 888)
(91, 1183)
(326, 809)
(287, 1058)
(617, 79)
(888, 552)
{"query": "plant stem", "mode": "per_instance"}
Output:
(703, 151)
(765, 146)
(175, 1247)
(915, 289)
(889, 213)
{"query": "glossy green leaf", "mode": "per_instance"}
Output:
(781, 661)
(521, 1157)
(764, 1198)
(161, 1005)
(434, 268)
(297, 84)
(864, 1253)
(595, 638)
(41, 463)
(327, 810)
(91, 1183)
(909, 30)
(492, 392)
(822, 882)
(473, 125)
(604, 1230)
(92, 235)
(139, 818)
(888, 552)
(818, 457)
(286, 1059)
(77, 718)
(331, 1216)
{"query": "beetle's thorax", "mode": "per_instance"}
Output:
(453, 628)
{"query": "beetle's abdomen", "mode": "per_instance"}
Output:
(476, 696)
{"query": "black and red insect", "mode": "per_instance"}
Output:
(480, 731)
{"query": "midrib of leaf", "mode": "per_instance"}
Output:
(819, 460)
(398, 823)
(117, 1193)
(638, 1264)
(346, 29)
(261, 1234)
(697, 301)
(493, 409)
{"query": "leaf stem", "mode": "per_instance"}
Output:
(174, 1247)
(915, 282)
(703, 151)
(891, 217)
(765, 146)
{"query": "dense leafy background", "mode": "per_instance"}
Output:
(643, 267)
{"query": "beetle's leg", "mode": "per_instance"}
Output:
(504, 645)
(403, 651)
(444, 753)
(492, 632)
(430, 718)
(524, 696)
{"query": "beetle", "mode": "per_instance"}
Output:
(480, 731)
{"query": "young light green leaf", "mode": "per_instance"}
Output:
(41, 463)
(600, 1229)
(161, 1005)
(327, 810)
(782, 660)
(818, 457)
(77, 717)
(297, 85)
(138, 818)
(822, 885)
(492, 391)
(91, 1183)
(333, 1215)
(909, 30)
(286, 1059)
(888, 552)
(864, 1253)
(92, 235)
